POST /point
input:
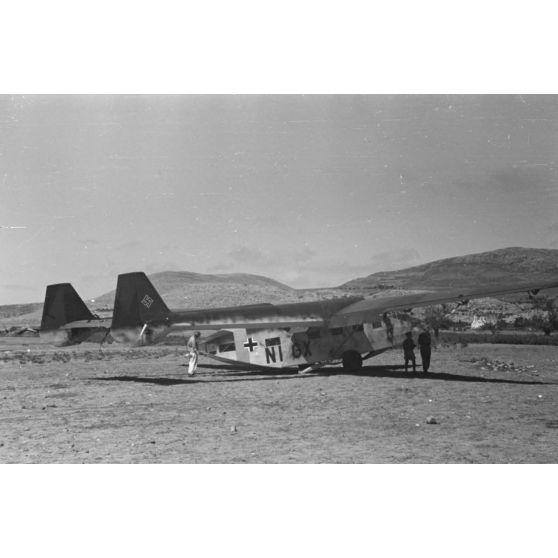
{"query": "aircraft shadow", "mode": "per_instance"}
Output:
(398, 372)
(234, 374)
(214, 378)
(148, 380)
(233, 367)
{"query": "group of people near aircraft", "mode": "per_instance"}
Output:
(424, 342)
(345, 330)
(425, 346)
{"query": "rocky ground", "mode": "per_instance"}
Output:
(480, 404)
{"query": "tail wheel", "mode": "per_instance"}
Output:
(352, 361)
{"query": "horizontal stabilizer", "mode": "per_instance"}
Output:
(104, 323)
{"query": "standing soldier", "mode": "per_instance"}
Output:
(408, 351)
(192, 354)
(389, 327)
(424, 343)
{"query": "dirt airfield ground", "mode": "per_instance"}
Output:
(491, 404)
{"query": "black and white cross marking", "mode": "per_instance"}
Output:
(250, 344)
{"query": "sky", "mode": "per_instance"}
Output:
(310, 190)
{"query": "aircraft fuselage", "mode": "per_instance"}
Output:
(299, 348)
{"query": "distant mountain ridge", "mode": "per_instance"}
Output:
(184, 289)
(485, 269)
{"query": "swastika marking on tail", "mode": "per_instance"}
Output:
(147, 301)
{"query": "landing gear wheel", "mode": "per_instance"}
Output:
(352, 361)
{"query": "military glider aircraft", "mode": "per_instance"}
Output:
(303, 335)
(67, 320)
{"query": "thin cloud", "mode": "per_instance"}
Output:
(17, 287)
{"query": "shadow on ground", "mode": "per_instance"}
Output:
(236, 374)
(396, 372)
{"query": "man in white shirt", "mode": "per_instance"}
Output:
(192, 354)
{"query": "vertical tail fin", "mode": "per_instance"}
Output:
(137, 302)
(63, 305)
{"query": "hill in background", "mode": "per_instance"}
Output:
(187, 290)
(487, 269)
(182, 289)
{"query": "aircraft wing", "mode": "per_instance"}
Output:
(216, 335)
(252, 324)
(88, 324)
(367, 308)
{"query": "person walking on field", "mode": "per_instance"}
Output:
(424, 343)
(408, 351)
(192, 354)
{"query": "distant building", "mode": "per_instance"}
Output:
(478, 322)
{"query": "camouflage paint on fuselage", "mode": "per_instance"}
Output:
(292, 313)
(298, 347)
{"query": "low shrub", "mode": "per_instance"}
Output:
(508, 338)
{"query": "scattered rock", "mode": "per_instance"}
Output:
(431, 420)
(233, 429)
(500, 365)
